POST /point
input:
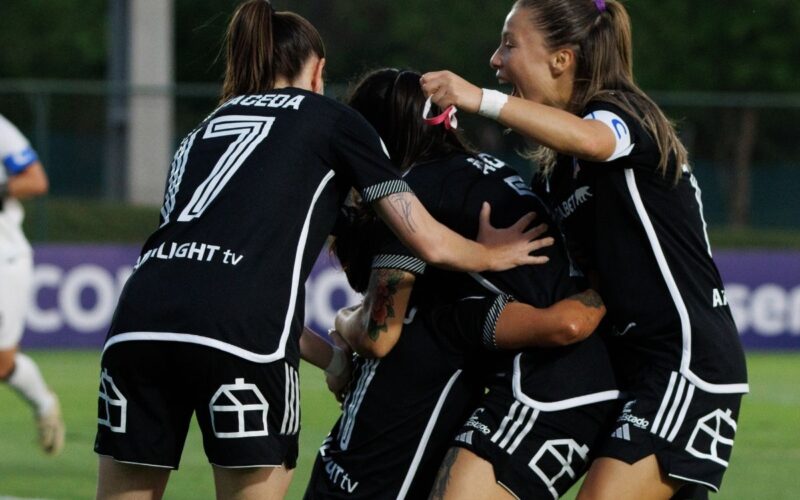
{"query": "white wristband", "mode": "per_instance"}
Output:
(492, 103)
(338, 364)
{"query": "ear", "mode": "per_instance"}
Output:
(561, 61)
(317, 81)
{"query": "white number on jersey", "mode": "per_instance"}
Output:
(249, 132)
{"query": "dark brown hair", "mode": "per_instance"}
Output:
(601, 39)
(262, 44)
(392, 102)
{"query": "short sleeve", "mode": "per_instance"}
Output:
(392, 254)
(632, 139)
(364, 160)
(16, 153)
(471, 320)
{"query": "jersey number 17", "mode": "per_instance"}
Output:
(248, 131)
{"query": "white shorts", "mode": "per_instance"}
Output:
(16, 277)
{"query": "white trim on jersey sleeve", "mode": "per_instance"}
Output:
(622, 133)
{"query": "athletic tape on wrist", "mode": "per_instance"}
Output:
(338, 364)
(448, 116)
(492, 103)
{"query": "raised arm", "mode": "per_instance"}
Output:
(373, 328)
(549, 126)
(499, 249)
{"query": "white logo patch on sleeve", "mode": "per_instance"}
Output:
(621, 132)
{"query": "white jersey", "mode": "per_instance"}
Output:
(16, 155)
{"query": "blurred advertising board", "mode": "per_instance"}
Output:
(76, 288)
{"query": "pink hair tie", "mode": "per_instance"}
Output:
(448, 116)
(600, 4)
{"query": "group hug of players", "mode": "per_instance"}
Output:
(488, 363)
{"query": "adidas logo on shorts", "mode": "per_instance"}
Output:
(465, 437)
(622, 432)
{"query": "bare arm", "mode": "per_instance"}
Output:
(565, 322)
(315, 349)
(552, 127)
(374, 327)
(29, 183)
(323, 355)
(498, 249)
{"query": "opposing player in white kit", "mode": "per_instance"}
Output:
(21, 176)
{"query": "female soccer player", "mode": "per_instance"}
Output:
(616, 174)
(210, 319)
(407, 404)
(21, 176)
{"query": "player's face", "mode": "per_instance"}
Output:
(523, 59)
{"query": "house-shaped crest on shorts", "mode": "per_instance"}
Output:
(112, 405)
(554, 460)
(238, 410)
(715, 430)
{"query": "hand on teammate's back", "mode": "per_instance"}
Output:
(508, 239)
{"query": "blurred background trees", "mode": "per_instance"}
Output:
(728, 72)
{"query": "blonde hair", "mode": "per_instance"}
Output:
(600, 34)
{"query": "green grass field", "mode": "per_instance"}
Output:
(763, 466)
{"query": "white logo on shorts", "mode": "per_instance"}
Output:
(563, 451)
(622, 432)
(114, 409)
(721, 431)
(628, 416)
(227, 400)
(475, 423)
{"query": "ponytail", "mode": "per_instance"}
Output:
(262, 45)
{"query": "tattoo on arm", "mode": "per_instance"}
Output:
(589, 298)
(401, 204)
(383, 287)
(443, 477)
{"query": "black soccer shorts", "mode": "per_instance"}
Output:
(690, 431)
(249, 413)
(535, 454)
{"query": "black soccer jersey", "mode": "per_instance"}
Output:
(252, 194)
(398, 418)
(645, 237)
(453, 191)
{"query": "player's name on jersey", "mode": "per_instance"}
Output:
(282, 101)
(201, 252)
